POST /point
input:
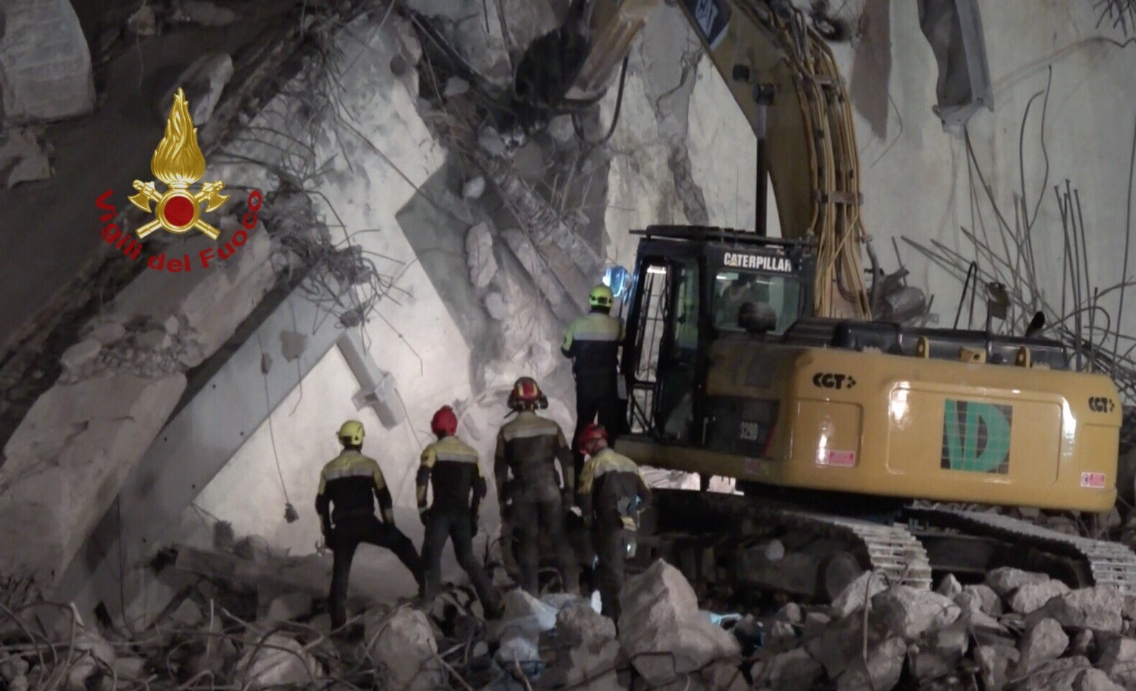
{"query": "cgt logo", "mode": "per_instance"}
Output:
(830, 380)
(1101, 404)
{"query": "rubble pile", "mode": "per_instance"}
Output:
(1016, 631)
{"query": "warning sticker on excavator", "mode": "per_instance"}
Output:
(840, 459)
(1094, 480)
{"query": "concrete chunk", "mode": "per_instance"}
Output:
(590, 661)
(858, 592)
(1095, 680)
(993, 663)
(1005, 580)
(1043, 642)
(908, 612)
(1032, 596)
(80, 354)
(795, 669)
(403, 645)
(949, 586)
(1098, 608)
(881, 673)
(277, 661)
(662, 630)
(479, 255)
(980, 598)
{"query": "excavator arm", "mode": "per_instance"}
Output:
(785, 80)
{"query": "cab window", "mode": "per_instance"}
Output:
(732, 289)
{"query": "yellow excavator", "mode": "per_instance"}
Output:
(853, 442)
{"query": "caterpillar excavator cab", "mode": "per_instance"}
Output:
(851, 432)
(852, 441)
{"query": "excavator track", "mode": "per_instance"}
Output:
(891, 549)
(1110, 563)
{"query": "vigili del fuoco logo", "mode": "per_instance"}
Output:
(179, 163)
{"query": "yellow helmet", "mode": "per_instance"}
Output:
(600, 296)
(351, 432)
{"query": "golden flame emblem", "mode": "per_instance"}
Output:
(179, 163)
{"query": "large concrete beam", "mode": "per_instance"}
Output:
(214, 419)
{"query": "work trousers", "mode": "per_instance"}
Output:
(458, 526)
(530, 519)
(345, 538)
(596, 396)
(610, 542)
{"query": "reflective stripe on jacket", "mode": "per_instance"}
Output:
(592, 341)
(453, 467)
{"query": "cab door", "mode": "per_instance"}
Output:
(662, 358)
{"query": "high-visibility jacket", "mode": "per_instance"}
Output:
(452, 466)
(348, 486)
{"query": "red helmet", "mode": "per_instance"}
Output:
(589, 434)
(445, 423)
(526, 393)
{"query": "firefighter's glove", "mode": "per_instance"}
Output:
(475, 523)
(423, 513)
(388, 516)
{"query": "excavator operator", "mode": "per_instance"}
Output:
(459, 487)
(612, 494)
(529, 446)
(345, 502)
(592, 342)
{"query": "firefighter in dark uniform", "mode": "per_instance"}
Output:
(529, 446)
(453, 468)
(592, 341)
(348, 487)
(612, 495)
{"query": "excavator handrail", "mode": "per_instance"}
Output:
(711, 233)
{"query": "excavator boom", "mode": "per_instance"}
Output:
(785, 80)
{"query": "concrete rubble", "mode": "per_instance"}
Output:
(899, 638)
(45, 65)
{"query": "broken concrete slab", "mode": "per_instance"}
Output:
(909, 612)
(403, 646)
(1118, 659)
(67, 461)
(660, 615)
(209, 302)
(45, 65)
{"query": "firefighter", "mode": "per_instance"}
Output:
(345, 502)
(529, 446)
(453, 468)
(592, 342)
(612, 495)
